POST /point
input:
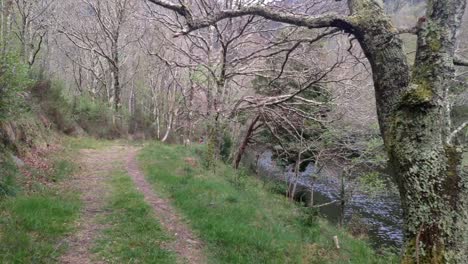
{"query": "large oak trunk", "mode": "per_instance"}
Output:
(411, 114)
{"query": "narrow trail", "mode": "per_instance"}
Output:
(96, 168)
(187, 246)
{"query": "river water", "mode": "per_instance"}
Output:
(380, 213)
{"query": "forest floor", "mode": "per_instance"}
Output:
(92, 182)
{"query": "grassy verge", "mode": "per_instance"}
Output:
(33, 223)
(77, 143)
(241, 221)
(31, 227)
(134, 235)
(9, 175)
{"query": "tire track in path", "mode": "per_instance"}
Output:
(95, 169)
(187, 246)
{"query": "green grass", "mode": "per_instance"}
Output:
(33, 221)
(9, 175)
(77, 143)
(134, 235)
(241, 221)
(31, 227)
(63, 168)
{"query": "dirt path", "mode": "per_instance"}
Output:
(96, 167)
(187, 246)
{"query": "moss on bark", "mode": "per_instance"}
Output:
(411, 115)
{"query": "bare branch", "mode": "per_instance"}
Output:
(460, 61)
(325, 204)
(456, 131)
(323, 21)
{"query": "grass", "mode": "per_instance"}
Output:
(241, 221)
(9, 175)
(134, 235)
(32, 226)
(34, 221)
(62, 169)
(77, 143)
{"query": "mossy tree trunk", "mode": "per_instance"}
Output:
(411, 107)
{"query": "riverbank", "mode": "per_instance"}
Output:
(379, 213)
(242, 219)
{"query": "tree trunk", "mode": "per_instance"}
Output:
(245, 142)
(342, 198)
(116, 72)
(169, 128)
(311, 192)
(6, 18)
(411, 116)
(116, 88)
(297, 171)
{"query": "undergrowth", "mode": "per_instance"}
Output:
(77, 143)
(8, 175)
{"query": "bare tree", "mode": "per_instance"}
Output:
(105, 34)
(30, 26)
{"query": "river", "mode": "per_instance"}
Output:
(380, 213)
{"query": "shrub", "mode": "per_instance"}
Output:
(54, 104)
(14, 79)
(226, 146)
(309, 216)
(372, 183)
(239, 179)
(99, 120)
(70, 114)
(8, 175)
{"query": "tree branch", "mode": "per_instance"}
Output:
(460, 61)
(323, 21)
(456, 131)
(325, 204)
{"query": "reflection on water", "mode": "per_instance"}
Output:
(382, 214)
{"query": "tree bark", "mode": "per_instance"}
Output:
(245, 142)
(116, 74)
(170, 123)
(411, 115)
